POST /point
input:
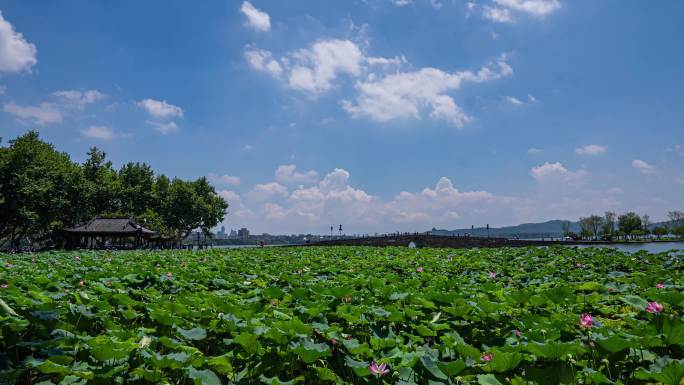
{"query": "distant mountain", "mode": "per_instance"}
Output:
(550, 229)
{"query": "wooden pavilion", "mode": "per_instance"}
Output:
(114, 233)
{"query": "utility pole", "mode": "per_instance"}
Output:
(487, 230)
(331, 232)
(340, 231)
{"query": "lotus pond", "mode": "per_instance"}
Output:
(342, 315)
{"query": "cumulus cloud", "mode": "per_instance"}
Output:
(499, 15)
(531, 7)
(313, 69)
(507, 11)
(160, 108)
(99, 132)
(163, 127)
(41, 114)
(224, 180)
(643, 167)
(334, 200)
(288, 174)
(262, 60)
(256, 19)
(514, 101)
(79, 99)
(317, 66)
(404, 95)
(534, 150)
(16, 54)
(265, 191)
(591, 149)
(556, 172)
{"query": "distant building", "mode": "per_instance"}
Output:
(243, 233)
(221, 234)
(233, 233)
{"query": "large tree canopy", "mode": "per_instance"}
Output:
(42, 190)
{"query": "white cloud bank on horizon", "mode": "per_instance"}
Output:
(332, 199)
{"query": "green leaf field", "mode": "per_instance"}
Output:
(342, 315)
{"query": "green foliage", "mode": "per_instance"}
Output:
(322, 315)
(42, 191)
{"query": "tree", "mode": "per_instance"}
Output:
(678, 231)
(136, 191)
(676, 218)
(40, 190)
(590, 226)
(609, 224)
(645, 222)
(191, 205)
(102, 184)
(660, 231)
(629, 222)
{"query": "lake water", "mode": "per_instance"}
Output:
(652, 247)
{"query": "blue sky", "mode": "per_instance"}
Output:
(382, 115)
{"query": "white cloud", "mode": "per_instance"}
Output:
(386, 60)
(16, 54)
(287, 174)
(247, 147)
(538, 8)
(442, 205)
(534, 150)
(265, 191)
(256, 19)
(531, 98)
(644, 167)
(402, 3)
(262, 60)
(405, 94)
(499, 15)
(162, 127)
(160, 108)
(556, 172)
(591, 149)
(224, 180)
(41, 114)
(79, 99)
(317, 66)
(99, 132)
(513, 100)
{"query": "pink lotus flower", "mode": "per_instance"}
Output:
(517, 333)
(346, 298)
(333, 341)
(4, 286)
(349, 338)
(660, 285)
(586, 320)
(420, 269)
(380, 370)
(82, 283)
(487, 357)
(169, 274)
(77, 258)
(654, 307)
(592, 344)
(492, 274)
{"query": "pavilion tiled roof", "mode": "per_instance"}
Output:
(110, 226)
